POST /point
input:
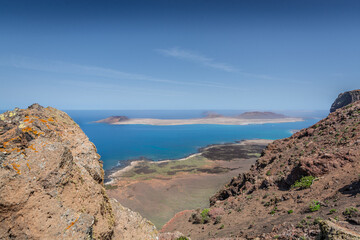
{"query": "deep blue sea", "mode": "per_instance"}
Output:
(118, 143)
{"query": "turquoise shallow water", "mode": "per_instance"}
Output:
(118, 143)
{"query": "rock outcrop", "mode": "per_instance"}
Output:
(332, 231)
(344, 99)
(51, 182)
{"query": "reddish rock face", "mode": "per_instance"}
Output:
(51, 182)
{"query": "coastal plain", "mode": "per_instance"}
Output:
(159, 190)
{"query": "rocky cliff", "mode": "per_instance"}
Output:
(297, 184)
(345, 99)
(51, 182)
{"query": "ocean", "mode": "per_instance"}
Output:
(118, 143)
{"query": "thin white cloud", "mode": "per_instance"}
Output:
(193, 57)
(63, 67)
(209, 62)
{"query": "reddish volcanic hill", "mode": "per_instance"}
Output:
(306, 186)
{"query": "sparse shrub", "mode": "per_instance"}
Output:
(304, 182)
(268, 173)
(317, 220)
(349, 211)
(249, 197)
(205, 215)
(182, 238)
(222, 226)
(217, 220)
(195, 219)
(290, 211)
(332, 211)
(272, 212)
(314, 206)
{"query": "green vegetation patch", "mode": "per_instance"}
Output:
(149, 170)
(349, 211)
(314, 206)
(205, 215)
(304, 182)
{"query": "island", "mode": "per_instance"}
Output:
(210, 118)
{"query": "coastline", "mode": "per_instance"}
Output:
(194, 121)
(160, 189)
(118, 171)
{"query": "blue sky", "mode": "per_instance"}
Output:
(178, 54)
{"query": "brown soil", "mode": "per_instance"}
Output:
(262, 203)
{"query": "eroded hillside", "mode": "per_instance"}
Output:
(297, 184)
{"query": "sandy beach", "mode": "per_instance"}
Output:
(217, 120)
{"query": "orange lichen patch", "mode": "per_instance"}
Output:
(42, 120)
(27, 164)
(32, 148)
(27, 129)
(72, 224)
(16, 167)
(48, 126)
(51, 119)
(26, 120)
(15, 149)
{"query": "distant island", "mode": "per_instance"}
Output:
(209, 118)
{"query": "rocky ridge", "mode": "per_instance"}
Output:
(345, 99)
(51, 182)
(297, 183)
